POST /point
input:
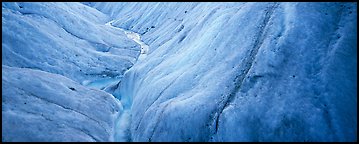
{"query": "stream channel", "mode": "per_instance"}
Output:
(122, 123)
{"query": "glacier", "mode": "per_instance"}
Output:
(179, 71)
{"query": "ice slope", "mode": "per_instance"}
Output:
(41, 106)
(70, 39)
(241, 71)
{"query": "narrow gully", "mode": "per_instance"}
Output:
(122, 122)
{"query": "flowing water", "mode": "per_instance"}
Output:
(122, 126)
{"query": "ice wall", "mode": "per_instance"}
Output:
(242, 71)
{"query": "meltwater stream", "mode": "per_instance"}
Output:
(135, 37)
(122, 123)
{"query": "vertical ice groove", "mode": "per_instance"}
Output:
(332, 47)
(248, 64)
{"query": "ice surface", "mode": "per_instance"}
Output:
(242, 71)
(213, 71)
(70, 39)
(40, 106)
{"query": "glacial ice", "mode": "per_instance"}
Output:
(69, 39)
(41, 106)
(241, 71)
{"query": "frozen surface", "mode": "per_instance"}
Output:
(40, 106)
(199, 71)
(70, 39)
(241, 71)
